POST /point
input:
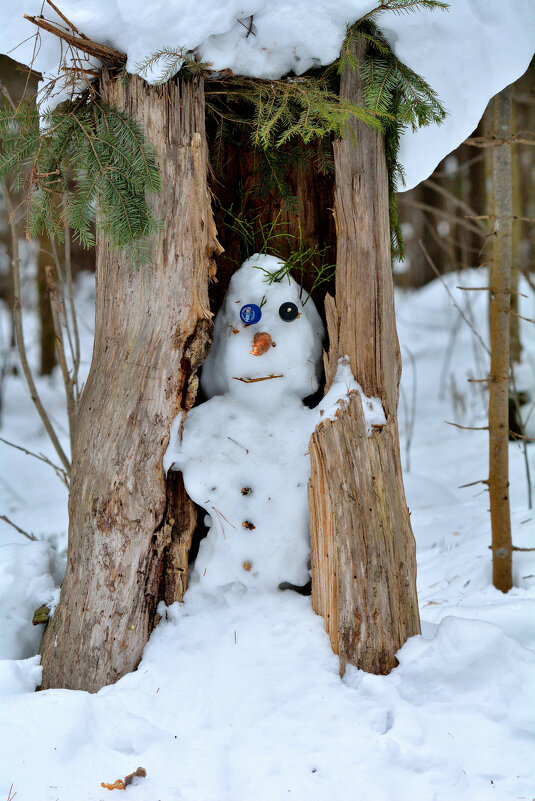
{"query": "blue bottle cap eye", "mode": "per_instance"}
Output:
(250, 313)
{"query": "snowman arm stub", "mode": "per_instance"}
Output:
(172, 456)
(342, 387)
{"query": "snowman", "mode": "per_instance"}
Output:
(243, 453)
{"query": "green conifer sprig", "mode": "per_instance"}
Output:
(297, 258)
(306, 108)
(87, 159)
(19, 137)
(390, 86)
(165, 63)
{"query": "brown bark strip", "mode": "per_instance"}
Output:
(500, 307)
(47, 335)
(152, 326)
(363, 551)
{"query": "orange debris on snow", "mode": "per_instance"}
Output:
(120, 784)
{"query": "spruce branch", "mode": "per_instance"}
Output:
(307, 108)
(164, 64)
(88, 159)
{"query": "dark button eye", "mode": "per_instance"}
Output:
(250, 313)
(288, 312)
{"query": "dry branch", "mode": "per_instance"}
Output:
(108, 55)
(17, 314)
(42, 458)
(18, 528)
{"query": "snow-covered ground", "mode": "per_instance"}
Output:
(241, 699)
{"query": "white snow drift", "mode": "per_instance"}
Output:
(238, 696)
(467, 54)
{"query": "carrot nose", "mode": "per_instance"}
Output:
(261, 343)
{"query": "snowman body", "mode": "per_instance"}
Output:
(243, 453)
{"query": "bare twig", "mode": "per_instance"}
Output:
(60, 348)
(497, 141)
(410, 411)
(522, 437)
(468, 322)
(467, 428)
(248, 27)
(67, 22)
(461, 167)
(73, 316)
(254, 380)
(17, 313)
(108, 55)
(42, 458)
(5, 91)
(461, 221)
(474, 483)
(448, 355)
(238, 444)
(17, 528)
(526, 273)
(527, 319)
(441, 190)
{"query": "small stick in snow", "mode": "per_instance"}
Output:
(223, 516)
(254, 380)
(238, 444)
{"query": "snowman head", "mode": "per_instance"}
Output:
(267, 338)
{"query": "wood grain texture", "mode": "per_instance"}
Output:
(152, 326)
(362, 546)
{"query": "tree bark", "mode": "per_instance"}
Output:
(47, 335)
(237, 183)
(500, 309)
(127, 545)
(363, 550)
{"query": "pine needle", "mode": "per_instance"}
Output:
(88, 154)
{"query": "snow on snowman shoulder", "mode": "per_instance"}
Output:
(243, 453)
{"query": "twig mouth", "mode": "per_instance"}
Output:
(254, 380)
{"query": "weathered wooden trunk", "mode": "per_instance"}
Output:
(152, 326)
(363, 550)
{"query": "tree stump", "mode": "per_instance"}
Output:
(152, 328)
(363, 550)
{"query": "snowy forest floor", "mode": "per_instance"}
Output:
(242, 700)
